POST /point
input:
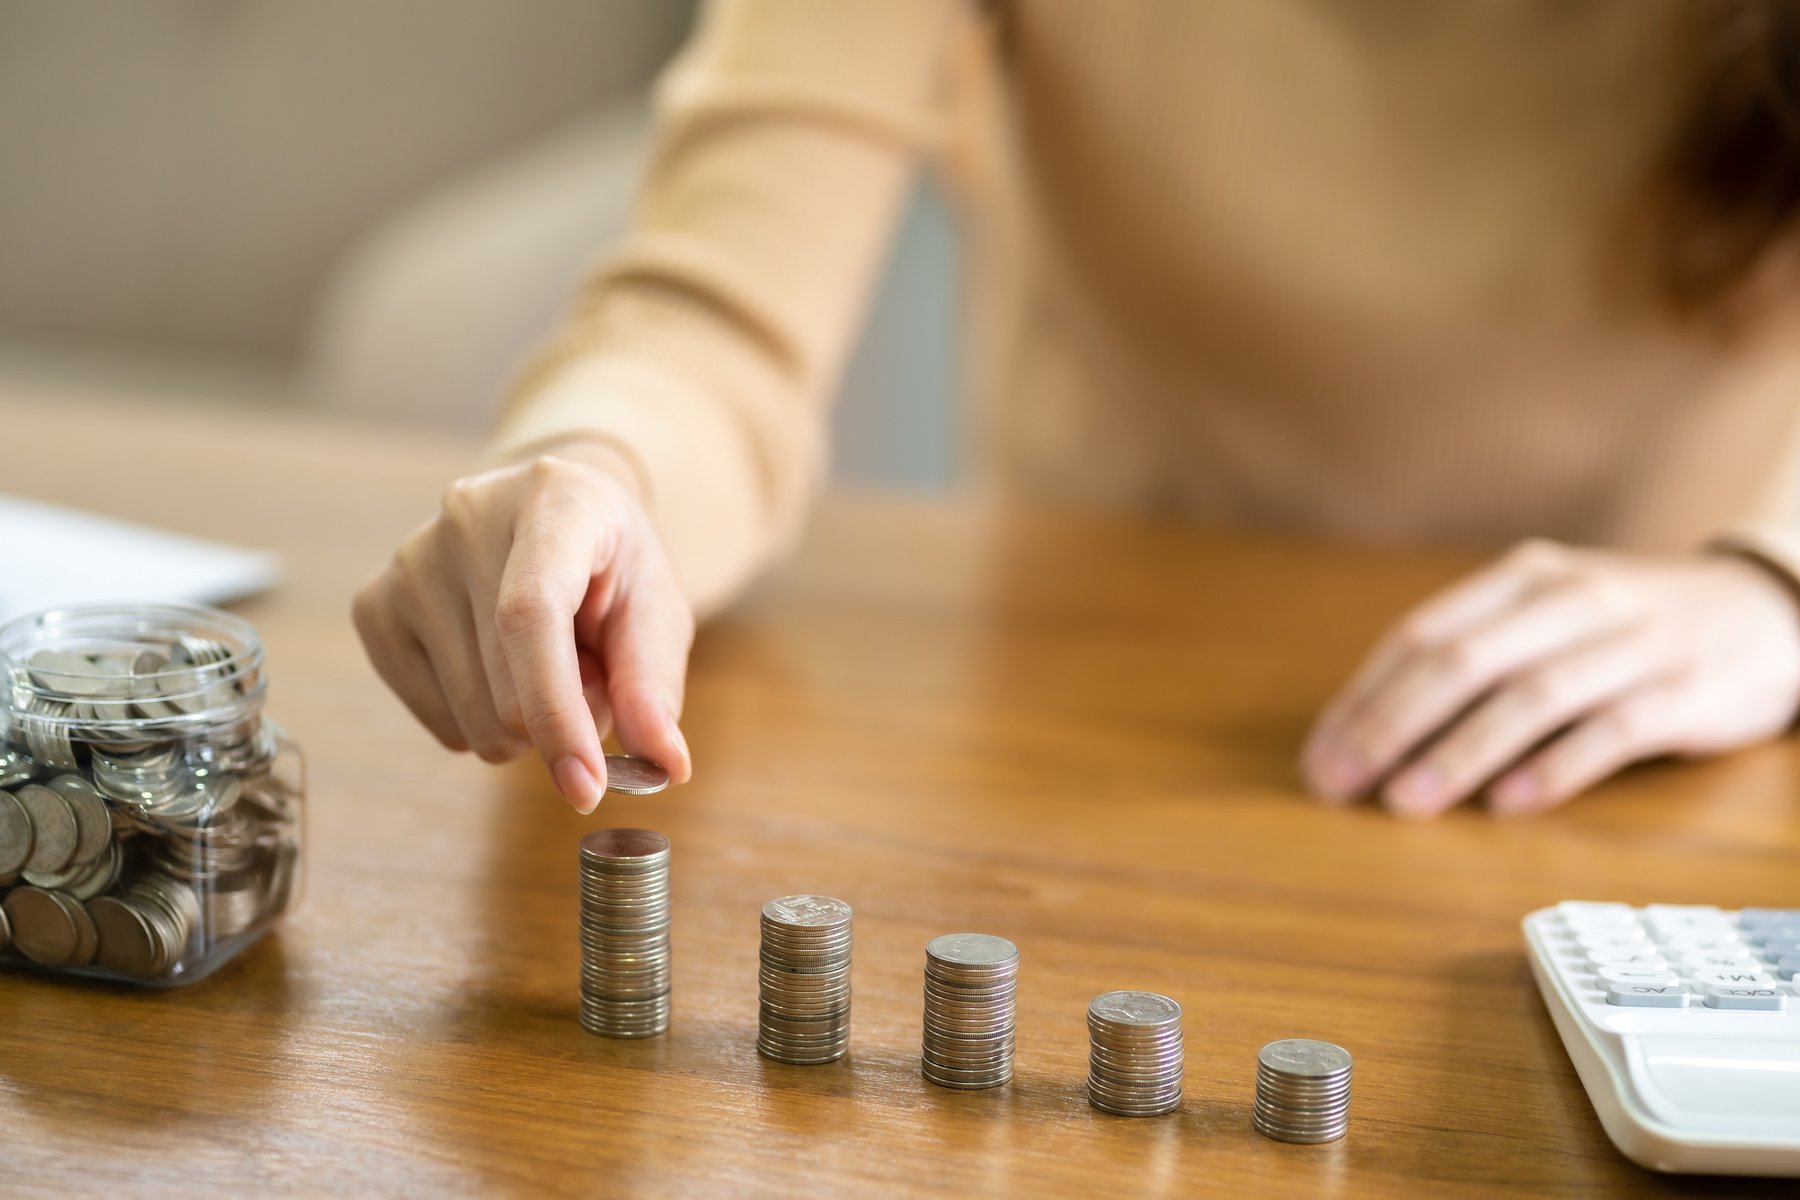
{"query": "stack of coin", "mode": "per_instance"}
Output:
(625, 933)
(1134, 1068)
(970, 981)
(1302, 1091)
(805, 980)
(146, 928)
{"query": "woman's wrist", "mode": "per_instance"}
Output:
(590, 449)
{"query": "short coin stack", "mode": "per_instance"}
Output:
(970, 981)
(625, 933)
(804, 1017)
(1135, 1064)
(1302, 1091)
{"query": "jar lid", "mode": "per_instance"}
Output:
(116, 671)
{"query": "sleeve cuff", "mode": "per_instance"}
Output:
(1773, 544)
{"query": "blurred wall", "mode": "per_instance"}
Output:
(378, 206)
(183, 173)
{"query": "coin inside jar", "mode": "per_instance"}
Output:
(42, 929)
(55, 833)
(15, 835)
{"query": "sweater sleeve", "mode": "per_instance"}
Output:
(705, 346)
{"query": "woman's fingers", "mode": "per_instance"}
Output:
(1642, 725)
(646, 639)
(558, 548)
(446, 630)
(402, 663)
(1330, 767)
(1431, 686)
(1518, 715)
(1461, 607)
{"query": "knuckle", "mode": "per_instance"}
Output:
(451, 740)
(1410, 636)
(1612, 597)
(463, 497)
(512, 720)
(525, 605)
(1540, 692)
(1623, 726)
(496, 748)
(363, 607)
(542, 724)
(1458, 662)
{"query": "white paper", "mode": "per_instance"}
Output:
(52, 556)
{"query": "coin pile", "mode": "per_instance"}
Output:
(1302, 1091)
(141, 827)
(804, 983)
(970, 982)
(1134, 1064)
(625, 978)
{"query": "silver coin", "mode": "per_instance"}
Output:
(634, 776)
(42, 929)
(1304, 1057)
(626, 844)
(807, 911)
(972, 949)
(1135, 1008)
(54, 831)
(16, 835)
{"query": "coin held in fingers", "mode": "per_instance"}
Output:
(634, 776)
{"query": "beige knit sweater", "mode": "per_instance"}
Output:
(1327, 265)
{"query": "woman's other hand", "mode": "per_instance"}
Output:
(537, 609)
(1551, 669)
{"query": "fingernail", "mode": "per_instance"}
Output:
(675, 736)
(576, 783)
(1517, 793)
(1416, 792)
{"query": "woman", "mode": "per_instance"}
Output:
(1451, 272)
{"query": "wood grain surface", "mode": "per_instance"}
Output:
(1075, 733)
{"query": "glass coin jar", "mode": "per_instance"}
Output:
(150, 814)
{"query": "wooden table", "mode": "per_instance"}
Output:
(1077, 734)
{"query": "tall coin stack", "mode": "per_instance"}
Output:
(1134, 1067)
(625, 933)
(805, 980)
(970, 981)
(1302, 1091)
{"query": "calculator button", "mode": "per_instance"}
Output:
(1770, 916)
(1644, 960)
(1786, 965)
(1636, 975)
(1615, 940)
(1719, 962)
(1746, 978)
(1647, 995)
(1724, 995)
(1672, 917)
(1723, 947)
(1778, 949)
(1764, 935)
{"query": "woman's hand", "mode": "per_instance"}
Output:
(536, 609)
(1554, 667)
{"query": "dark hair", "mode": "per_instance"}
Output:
(1729, 194)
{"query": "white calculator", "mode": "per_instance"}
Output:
(1683, 1022)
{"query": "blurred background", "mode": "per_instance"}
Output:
(370, 206)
